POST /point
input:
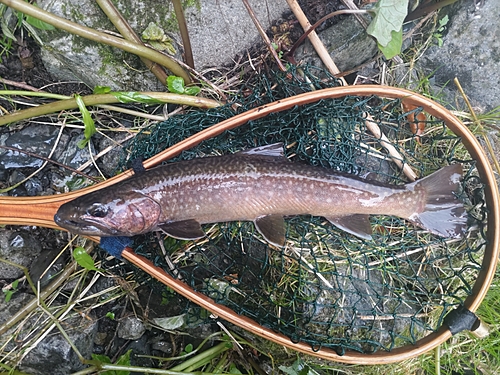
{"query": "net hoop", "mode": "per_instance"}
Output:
(40, 211)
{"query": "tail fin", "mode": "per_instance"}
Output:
(442, 214)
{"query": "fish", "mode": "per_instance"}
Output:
(263, 186)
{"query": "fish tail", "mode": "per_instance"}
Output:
(441, 213)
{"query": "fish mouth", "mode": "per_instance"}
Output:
(83, 227)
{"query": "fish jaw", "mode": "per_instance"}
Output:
(94, 215)
(84, 227)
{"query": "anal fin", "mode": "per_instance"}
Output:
(183, 230)
(272, 228)
(357, 224)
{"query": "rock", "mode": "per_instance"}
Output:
(470, 52)
(73, 156)
(110, 161)
(37, 139)
(13, 306)
(40, 271)
(130, 328)
(18, 247)
(218, 31)
(53, 355)
(347, 42)
(162, 344)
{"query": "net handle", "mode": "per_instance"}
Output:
(40, 211)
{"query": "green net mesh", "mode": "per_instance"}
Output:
(326, 287)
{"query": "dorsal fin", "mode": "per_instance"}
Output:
(275, 150)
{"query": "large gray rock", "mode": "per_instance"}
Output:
(470, 52)
(347, 43)
(55, 356)
(218, 31)
(20, 248)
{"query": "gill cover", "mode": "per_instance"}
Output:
(121, 216)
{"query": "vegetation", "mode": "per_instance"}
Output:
(229, 350)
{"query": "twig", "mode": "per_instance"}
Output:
(90, 100)
(43, 164)
(96, 36)
(181, 20)
(315, 41)
(315, 26)
(394, 154)
(128, 33)
(264, 36)
(32, 154)
(21, 85)
(350, 4)
(420, 11)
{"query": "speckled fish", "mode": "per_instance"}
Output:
(263, 186)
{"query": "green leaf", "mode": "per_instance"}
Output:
(110, 315)
(192, 90)
(102, 90)
(90, 129)
(124, 360)
(35, 22)
(134, 97)
(171, 322)
(233, 369)
(443, 22)
(155, 36)
(8, 295)
(188, 348)
(393, 48)
(84, 259)
(4, 22)
(101, 358)
(298, 368)
(175, 84)
(389, 17)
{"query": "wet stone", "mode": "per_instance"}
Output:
(73, 156)
(53, 355)
(162, 344)
(18, 247)
(130, 328)
(37, 139)
(470, 52)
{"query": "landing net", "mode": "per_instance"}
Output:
(326, 287)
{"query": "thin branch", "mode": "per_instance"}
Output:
(264, 36)
(396, 157)
(186, 42)
(96, 36)
(105, 99)
(128, 33)
(48, 160)
(315, 41)
(350, 4)
(315, 26)
(21, 85)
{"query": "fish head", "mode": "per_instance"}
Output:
(106, 215)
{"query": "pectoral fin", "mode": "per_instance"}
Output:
(272, 227)
(275, 150)
(356, 224)
(183, 230)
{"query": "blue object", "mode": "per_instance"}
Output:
(115, 245)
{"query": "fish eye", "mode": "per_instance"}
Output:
(97, 210)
